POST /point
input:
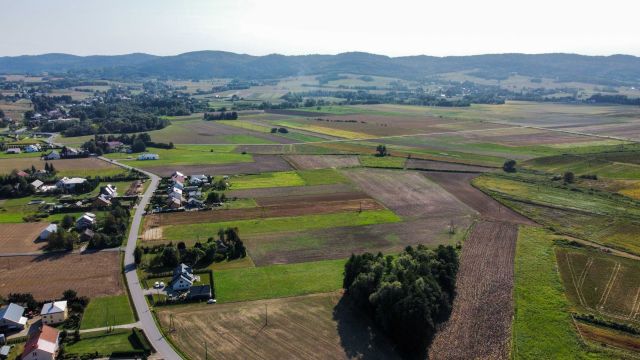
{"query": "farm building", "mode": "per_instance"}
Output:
(13, 151)
(87, 220)
(183, 277)
(4, 350)
(44, 235)
(36, 184)
(53, 155)
(11, 317)
(54, 312)
(69, 184)
(149, 157)
(42, 344)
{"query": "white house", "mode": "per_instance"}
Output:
(44, 235)
(182, 278)
(198, 179)
(177, 177)
(109, 191)
(11, 317)
(42, 344)
(13, 151)
(54, 312)
(69, 183)
(149, 157)
(53, 155)
(32, 148)
(87, 220)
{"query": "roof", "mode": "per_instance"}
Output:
(4, 351)
(200, 291)
(75, 180)
(199, 177)
(46, 340)
(53, 307)
(37, 183)
(51, 228)
(22, 173)
(13, 313)
(177, 173)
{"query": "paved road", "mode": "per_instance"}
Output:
(147, 323)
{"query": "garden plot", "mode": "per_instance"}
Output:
(47, 276)
(409, 194)
(21, 238)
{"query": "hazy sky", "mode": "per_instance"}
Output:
(258, 27)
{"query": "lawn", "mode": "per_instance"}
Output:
(107, 311)
(322, 177)
(266, 180)
(542, 325)
(281, 224)
(120, 340)
(276, 281)
(185, 155)
(244, 139)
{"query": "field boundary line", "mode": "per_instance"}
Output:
(636, 306)
(609, 286)
(583, 276)
(573, 280)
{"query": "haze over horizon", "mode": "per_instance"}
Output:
(259, 28)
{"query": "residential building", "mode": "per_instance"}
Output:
(69, 183)
(86, 221)
(109, 191)
(174, 203)
(11, 317)
(193, 203)
(87, 235)
(54, 312)
(199, 292)
(198, 180)
(13, 151)
(4, 350)
(53, 155)
(183, 278)
(32, 148)
(36, 184)
(178, 177)
(42, 344)
(102, 201)
(113, 146)
(22, 173)
(149, 157)
(44, 235)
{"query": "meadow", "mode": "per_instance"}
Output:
(185, 155)
(107, 311)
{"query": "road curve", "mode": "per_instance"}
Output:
(147, 322)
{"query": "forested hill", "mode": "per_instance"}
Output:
(616, 69)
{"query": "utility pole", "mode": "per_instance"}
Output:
(266, 315)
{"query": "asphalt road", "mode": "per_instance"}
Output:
(147, 323)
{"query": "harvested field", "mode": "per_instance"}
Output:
(480, 324)
(47, 276)
(409, 194)
(340, 242)
(316, 326)
(66, 167)
(21, 238)
(261, 163)
(282, 192)
(271, 211)
(460, 186)
(431, 165)
(300, 199)
(308, 162)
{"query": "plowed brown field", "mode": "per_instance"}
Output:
(261, 163)
(20, 238)
(47, 276)
(308, 162)
(307, 327)
(480, 324)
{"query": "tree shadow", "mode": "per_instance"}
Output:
(358, 335)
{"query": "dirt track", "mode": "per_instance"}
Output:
(480, 324)
(460, 186)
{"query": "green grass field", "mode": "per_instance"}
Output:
(322, 177)
(185, 155)
(275, 281)
(107, 311)
(287, 178)
(282, 224)
(542, 325)
(120, 340)
(599, 164)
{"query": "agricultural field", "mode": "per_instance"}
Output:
(480, 323)
(309, 162)
(221, 164)
(185, 155)
(21, 238)
(92, 275)
(316, 326)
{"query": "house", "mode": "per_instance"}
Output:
(86, 221)
(69, 184)
(13, 151)
(193, 203)
(42, 344)
(198, 179)
(36, 184)
(53, 155)
(4, 350)
(109, 191)
(178, 177)
(199, 292)
(114, 145)
(175, 193)
(174, 203)
(102, 201)
(178, 185)
(69, 152)
(149, 157)
(11, 317)
(32, 148)
(183, 278)
(54, 312)
(44, 235)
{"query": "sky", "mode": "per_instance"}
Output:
(296, 27)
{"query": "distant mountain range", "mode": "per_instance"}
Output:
(608, 70)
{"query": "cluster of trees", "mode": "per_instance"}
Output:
(216, 198)
(227, 246)
(381, 150)
(220, 115)
(509, 166)
(112, 229)
(62, 240)
(279, 130)
(407, 296)
(137, 142)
